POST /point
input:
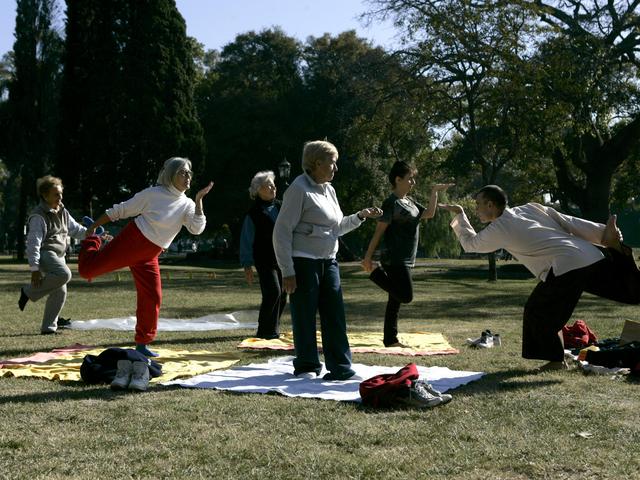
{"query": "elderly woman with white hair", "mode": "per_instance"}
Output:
(256, 249)
(160, 212)
(305, 240)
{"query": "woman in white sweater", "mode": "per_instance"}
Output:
(160, 212)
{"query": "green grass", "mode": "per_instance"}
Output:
(511, 424)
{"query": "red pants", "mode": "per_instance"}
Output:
(129, 249)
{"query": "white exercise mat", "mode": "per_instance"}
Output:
(216, 321)
(277, 376)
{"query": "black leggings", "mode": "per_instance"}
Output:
(274, 300)
(396, 281)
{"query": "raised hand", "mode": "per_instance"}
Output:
(371, 212)
(204, 191)
(455, 209)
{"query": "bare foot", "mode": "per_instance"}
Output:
(612, 236)
(553, 366)
(397, 345)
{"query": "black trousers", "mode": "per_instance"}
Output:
(274, 300)
(551, 304)
(396, 281)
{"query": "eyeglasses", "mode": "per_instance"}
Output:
(185, 173)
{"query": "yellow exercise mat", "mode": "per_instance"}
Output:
(417, 344)
(64, 364)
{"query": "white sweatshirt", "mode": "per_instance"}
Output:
(160, 213)
(540, 237)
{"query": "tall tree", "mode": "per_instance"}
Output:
(128, 96)
(250, 105)
(32, 102)
(588, 69)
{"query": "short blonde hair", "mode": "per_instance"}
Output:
(46, 183)
(258, 180)
(318, 151)
(170, 169)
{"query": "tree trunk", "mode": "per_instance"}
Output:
(22, 215)
(493, 270)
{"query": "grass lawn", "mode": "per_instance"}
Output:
(513, 423)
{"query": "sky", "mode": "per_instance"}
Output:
(217, 22)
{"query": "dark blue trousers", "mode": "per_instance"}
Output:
(274, 300)
(318, 290)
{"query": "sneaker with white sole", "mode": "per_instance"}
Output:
(486, 340)
(418, 396)
(123, 375)
(307, 375)
(446, 398)
(139, 377)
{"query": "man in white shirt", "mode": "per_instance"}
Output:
(568, 254)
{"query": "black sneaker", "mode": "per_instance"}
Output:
(64, 322)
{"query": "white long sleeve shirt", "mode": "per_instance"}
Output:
(309, 223)
(160, 213)
(540, 237)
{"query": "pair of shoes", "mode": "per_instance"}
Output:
(64, 322)
(131, 375)
(143, 349)
(423, 395)
(88, 221)
(446, 398)
(485, 340)
(22, 302)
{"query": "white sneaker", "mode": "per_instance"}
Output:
(139, 377)
(123, 375)
(307, 375)
(446, 398)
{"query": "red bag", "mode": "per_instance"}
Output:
(578, 335)
(383, 390)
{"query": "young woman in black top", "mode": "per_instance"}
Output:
(399, 226)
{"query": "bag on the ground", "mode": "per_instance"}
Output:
(384, 390)
(578, 335)
(102, 368)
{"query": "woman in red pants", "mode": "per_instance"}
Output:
(160, 212)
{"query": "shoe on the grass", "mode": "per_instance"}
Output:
(139, 377)
(418, 396)
(64, 322)
(123, 375)
(446, 398)
(485, 340)
(88, 221)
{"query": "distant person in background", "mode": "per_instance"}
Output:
(399, 225)
(256, 249)
(305, 240)
(567, 254)
(50, 226)
(160, 212)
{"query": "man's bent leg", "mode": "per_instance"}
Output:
(547, 310)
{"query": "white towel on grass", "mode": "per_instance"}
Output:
(277, 376)
(245, 319)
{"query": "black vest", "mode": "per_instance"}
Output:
(263, 254)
